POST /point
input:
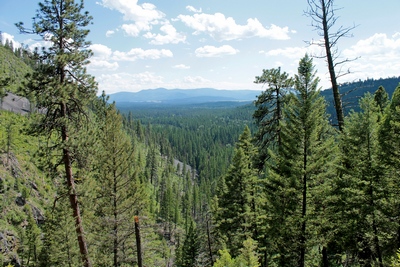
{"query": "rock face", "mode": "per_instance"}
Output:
(38, 215)
(9, 246)
(16, 104)
(20, 201)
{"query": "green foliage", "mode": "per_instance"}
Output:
(190, 249)
(297, 172)
(225, 260)
(237, 196)
(268, 114)
(118, 194)
(12, 71)
(247, 258)
(59, 241)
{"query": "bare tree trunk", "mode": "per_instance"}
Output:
(73, 198)
(335, 88)
(138, 242)
(325, 262)
(115, 227)
(209, 240)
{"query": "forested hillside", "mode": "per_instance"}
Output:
(85, 182)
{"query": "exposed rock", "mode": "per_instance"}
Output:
(38, 215)
(20, 201)
(34, 186)
(16, 104)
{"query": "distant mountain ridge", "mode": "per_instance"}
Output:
(351, 93)
(184, 96)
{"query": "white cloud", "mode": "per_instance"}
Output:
(139, 53)
(101, 51)
(212, 51)
(143, 15)
(224, 29)
(378, 46)
(194, 10)
(377, 56)
(101, 58)
(106, 59)
(195, 80)
(171, 36)
(181, 66)
(128, 82)
(109, 33)
(5, 36)
(97, 64)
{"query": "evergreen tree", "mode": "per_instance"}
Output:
(235, 217)
(269, 106)
(298, 170)
(119, 194)
(190, 248)
(59, 247)
(363, 187)
(381, 98)
(389, 139)
(62, 88)
(248, 254)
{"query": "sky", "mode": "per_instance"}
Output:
(220, 44)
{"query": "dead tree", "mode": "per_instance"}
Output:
(324, 18)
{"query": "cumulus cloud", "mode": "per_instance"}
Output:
(143, 15)
(195, 80)
(129, 82)
(170, 35)
(377, 56)
(5, 36)
(101, 58)
(101, 51)
(378, 45)
(192, 9)
(105, 58)
(139, 53)
(212, 51)
(181, 66)
(97, 64)
(109, 33)
(223, 28)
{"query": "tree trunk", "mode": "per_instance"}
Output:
(304, 208)
(209, 241)
(115, 213)
(331, 67)
(73, 198)
(325, 262)
(138, 242)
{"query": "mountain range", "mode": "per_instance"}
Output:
(183, 96)
(351, 93)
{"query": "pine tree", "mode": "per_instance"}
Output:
(190, 248)
(363, 186)
(62, 88)
(269, 106)
(235, 217)
(389, 140)
(381, 98)
(298, 170)
(119, 194)
(59, 247)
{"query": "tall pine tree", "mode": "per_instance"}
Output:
(298, 171)
(62, 88)
(235, 217)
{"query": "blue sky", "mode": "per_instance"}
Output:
(219, 44)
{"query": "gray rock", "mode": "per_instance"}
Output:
(20, 201)
(38, 215)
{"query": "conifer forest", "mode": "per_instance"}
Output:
(291, 179)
